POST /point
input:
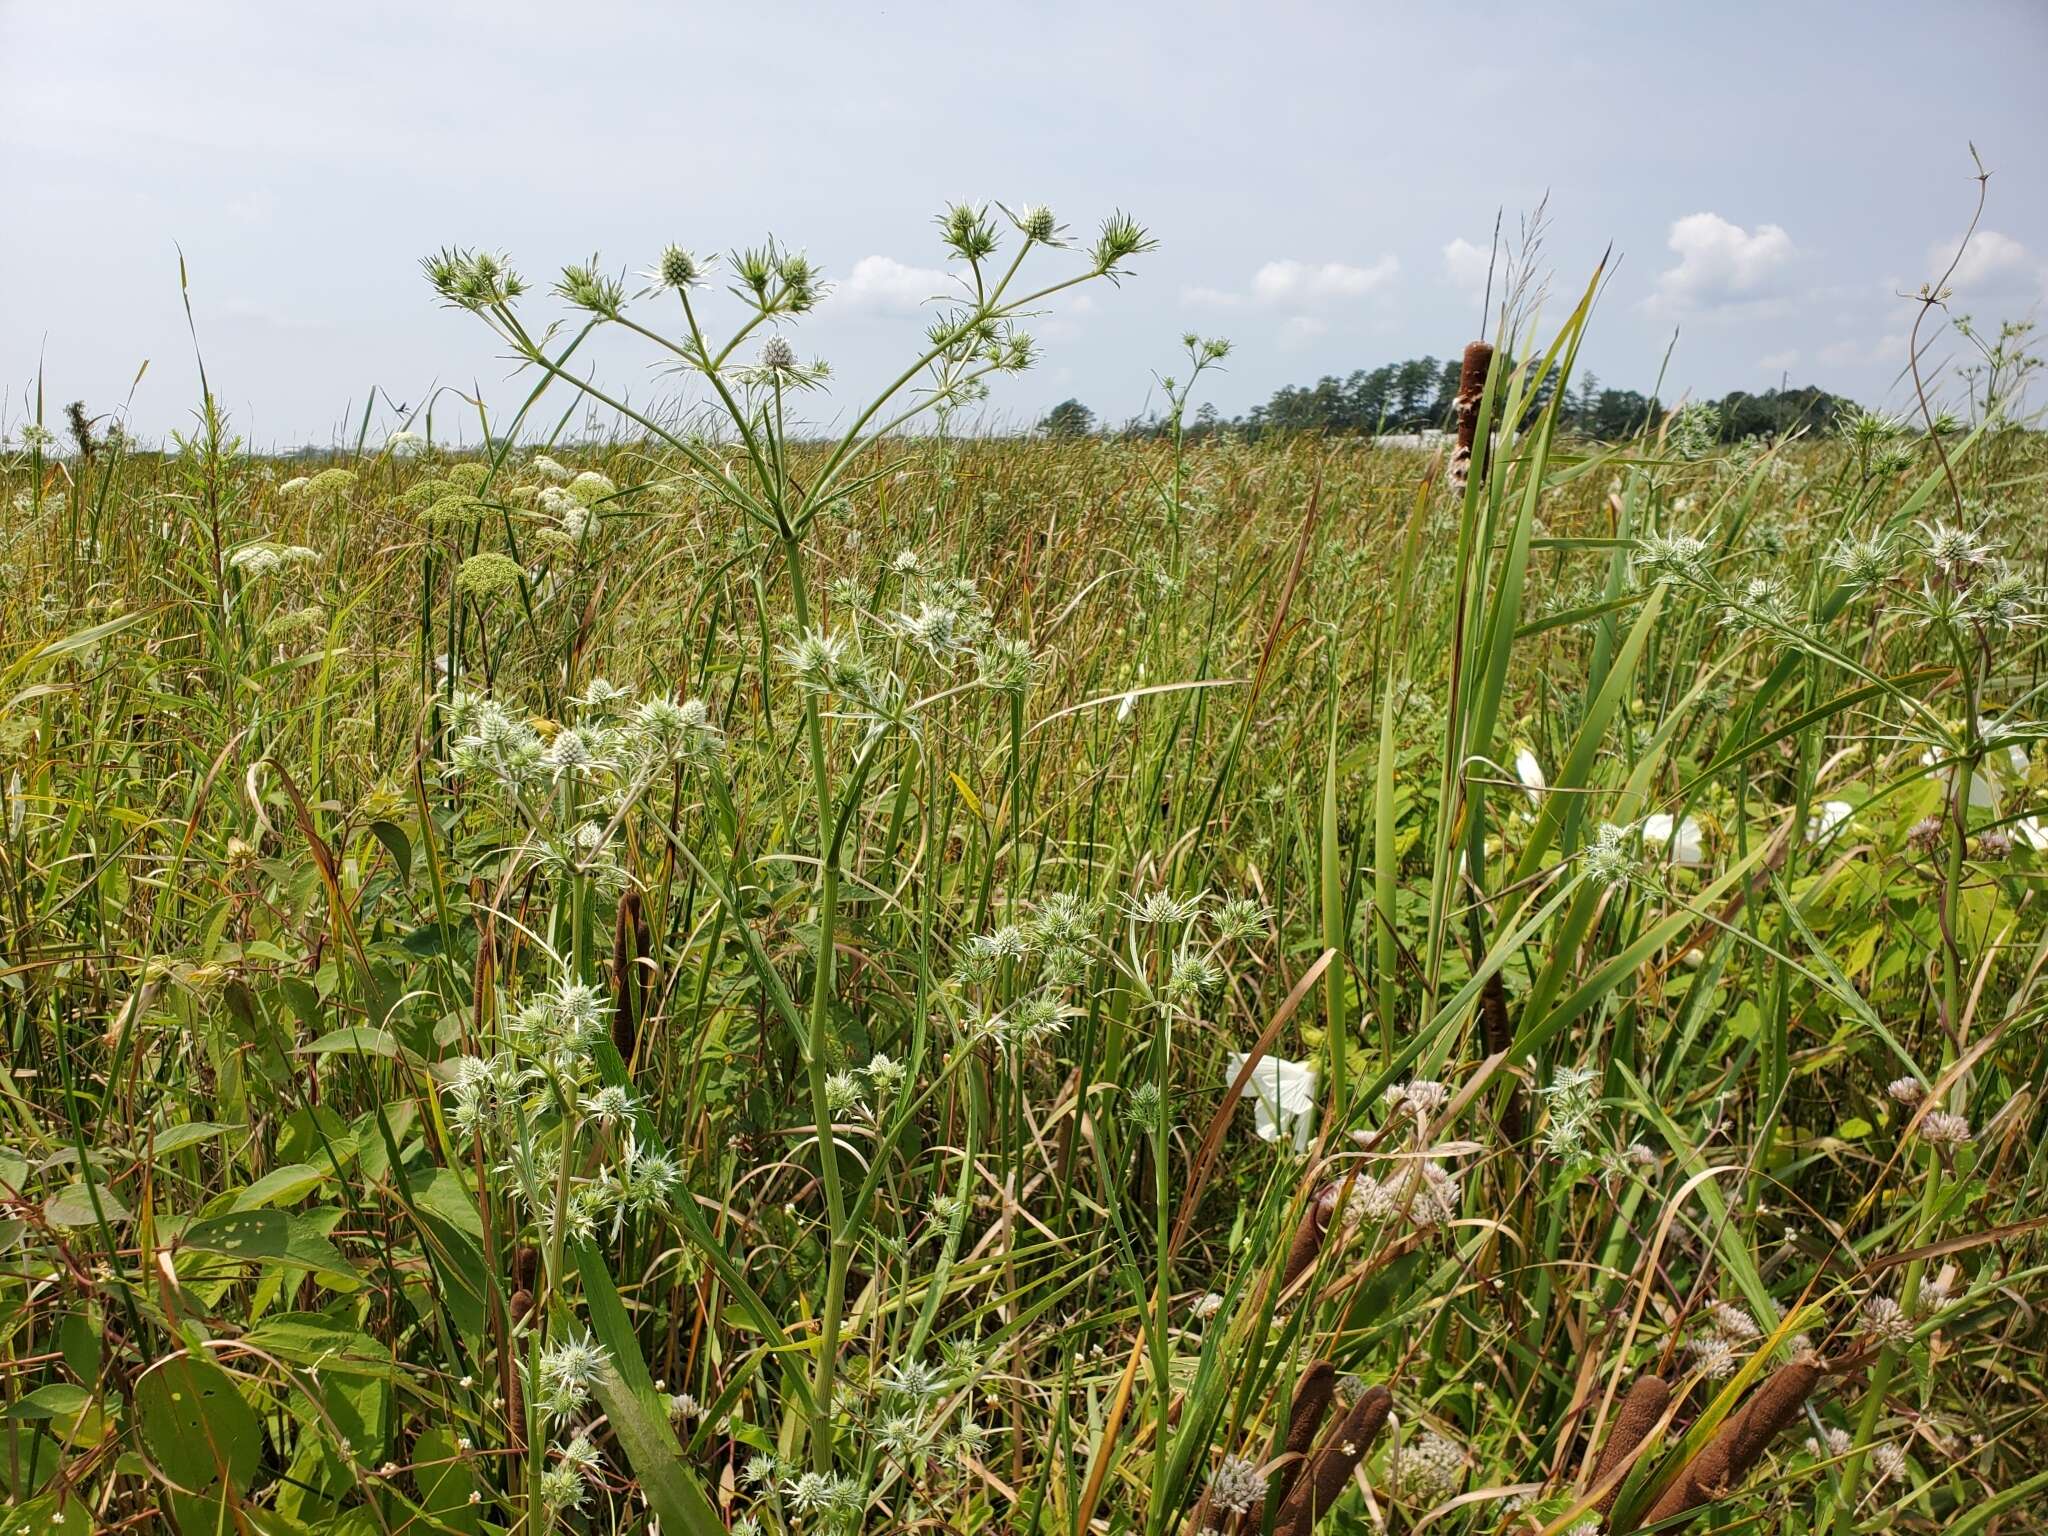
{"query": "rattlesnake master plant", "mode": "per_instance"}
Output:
(969, 341)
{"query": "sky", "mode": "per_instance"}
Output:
(1322, 179)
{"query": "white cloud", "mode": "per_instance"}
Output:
(1300, 330)
(1299, 285)
(1296, 282)
(1466, 266)
(1864, 352)
(1778, 362)
(1721, 264)
(1991, 261)
(884, 283)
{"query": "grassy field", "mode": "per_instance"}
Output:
(737, 980)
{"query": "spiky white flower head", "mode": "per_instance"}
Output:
(1886, 1321)
(1237, 1486)
(886, 1075)
(843, 1092)
(677, 269)
(1205, 1306)
(609, 1105)
(1240, 920)
(1163, 908)
(1942, 1128)
(1954, 551)
(568, 1370)
(1888, 1461)
(1192, 977)
(1680, 555)
(777, 355)
(35, 437)
(1864, 560)
(1607, 858)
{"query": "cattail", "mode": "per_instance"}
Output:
(1308, 1236)
(1342, 1450)
(1312, 1396)
(1648, 1396)
(1728, 1457)
(1499, 1031)
(630, 944)
(1471, 386)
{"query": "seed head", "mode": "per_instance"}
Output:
(1886, 1321)
(1237, 1486)
(1941, 1128)
(677, 268)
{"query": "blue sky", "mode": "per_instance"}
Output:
(1322, 180)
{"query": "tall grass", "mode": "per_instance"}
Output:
(729, 979)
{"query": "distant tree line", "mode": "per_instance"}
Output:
(1418, 395)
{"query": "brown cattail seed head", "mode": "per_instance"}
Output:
(1342, 1450)
(1724, 1461)
(1647, 1398)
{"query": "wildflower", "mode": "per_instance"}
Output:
(567, 1372)
(1192, 977)
(1036, 223)
(1427, 1467)
(1283, 1095)
(609, 1105)
(1681, 555)
(1163, 907)
(590, 487)
(683, 1408)
(1420, 1099)
(1864, 560)
(1888, 1461)
(760, 1470)
(677, 269)
(1240, 920)
(1994, 846)
(1940, 1128)
(1237, 1486)
(1714, 1356)
(1924, 836)
(1142, 1106)
(1607, 857)
(843, 1092)
(1006, 665)
(1683, 838)
(488, 575)
(1838, 1442)
(1205, 1306)
(777, 355)
(822, 662)
(1732, 1322)
(1827, 816)
(549, 470)
(1886, 1322)
(1954, 551)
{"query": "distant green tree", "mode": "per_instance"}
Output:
(1070, 418)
